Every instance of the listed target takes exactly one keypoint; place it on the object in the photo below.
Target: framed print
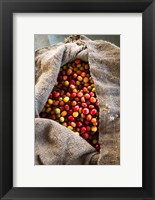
(77, 99)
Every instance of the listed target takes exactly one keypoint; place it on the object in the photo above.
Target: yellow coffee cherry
(70, 127)
(64, 67)
(78, 66)
(94, 128)
(66, 83)
(48, 110)
(77, 133)
(93, 89)
(77, 82)
(94, 141)
(75, 114)
(50, 101)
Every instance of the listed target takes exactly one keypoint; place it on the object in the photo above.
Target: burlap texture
(54, 143)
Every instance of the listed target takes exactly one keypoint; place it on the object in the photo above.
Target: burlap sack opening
(57, 145)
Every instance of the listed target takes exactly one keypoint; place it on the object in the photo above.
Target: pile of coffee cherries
(73, 102)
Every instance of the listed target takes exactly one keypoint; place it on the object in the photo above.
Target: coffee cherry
(48, 110)
(94, 141)
(68, 94)
(92, 99)
(77, 83)
(89, 117)
(83, 129)
(79, 94)
(69, 72)
(85, 80)
(83, 74)
(85, 136)
(87, 96)
(50, 96)
(71, 118)
(73, 124)
(82, 116)
(64, 77)
(88, 128)
(79, 124)
(85, 111)
(93, 111)
(83, 99)
(74, 76)
(64, 113)
(67, 107)
(72, 82)
(70, 112)
(75, 114)
(66, 99)
(66, 83)
(76, 108)
(62, 119)
(91, 106)
(62, 103)
(50, 101)
(94, 128)
(79, 78)
(57, 111)
(72, 86)
(78, 61)
(64, 124)
(91, 94)
(93, 120)
(70, 127)
(97, 147)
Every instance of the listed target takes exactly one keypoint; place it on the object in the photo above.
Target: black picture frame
(7, 8)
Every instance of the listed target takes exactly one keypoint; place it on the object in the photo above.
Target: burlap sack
(56, 144)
